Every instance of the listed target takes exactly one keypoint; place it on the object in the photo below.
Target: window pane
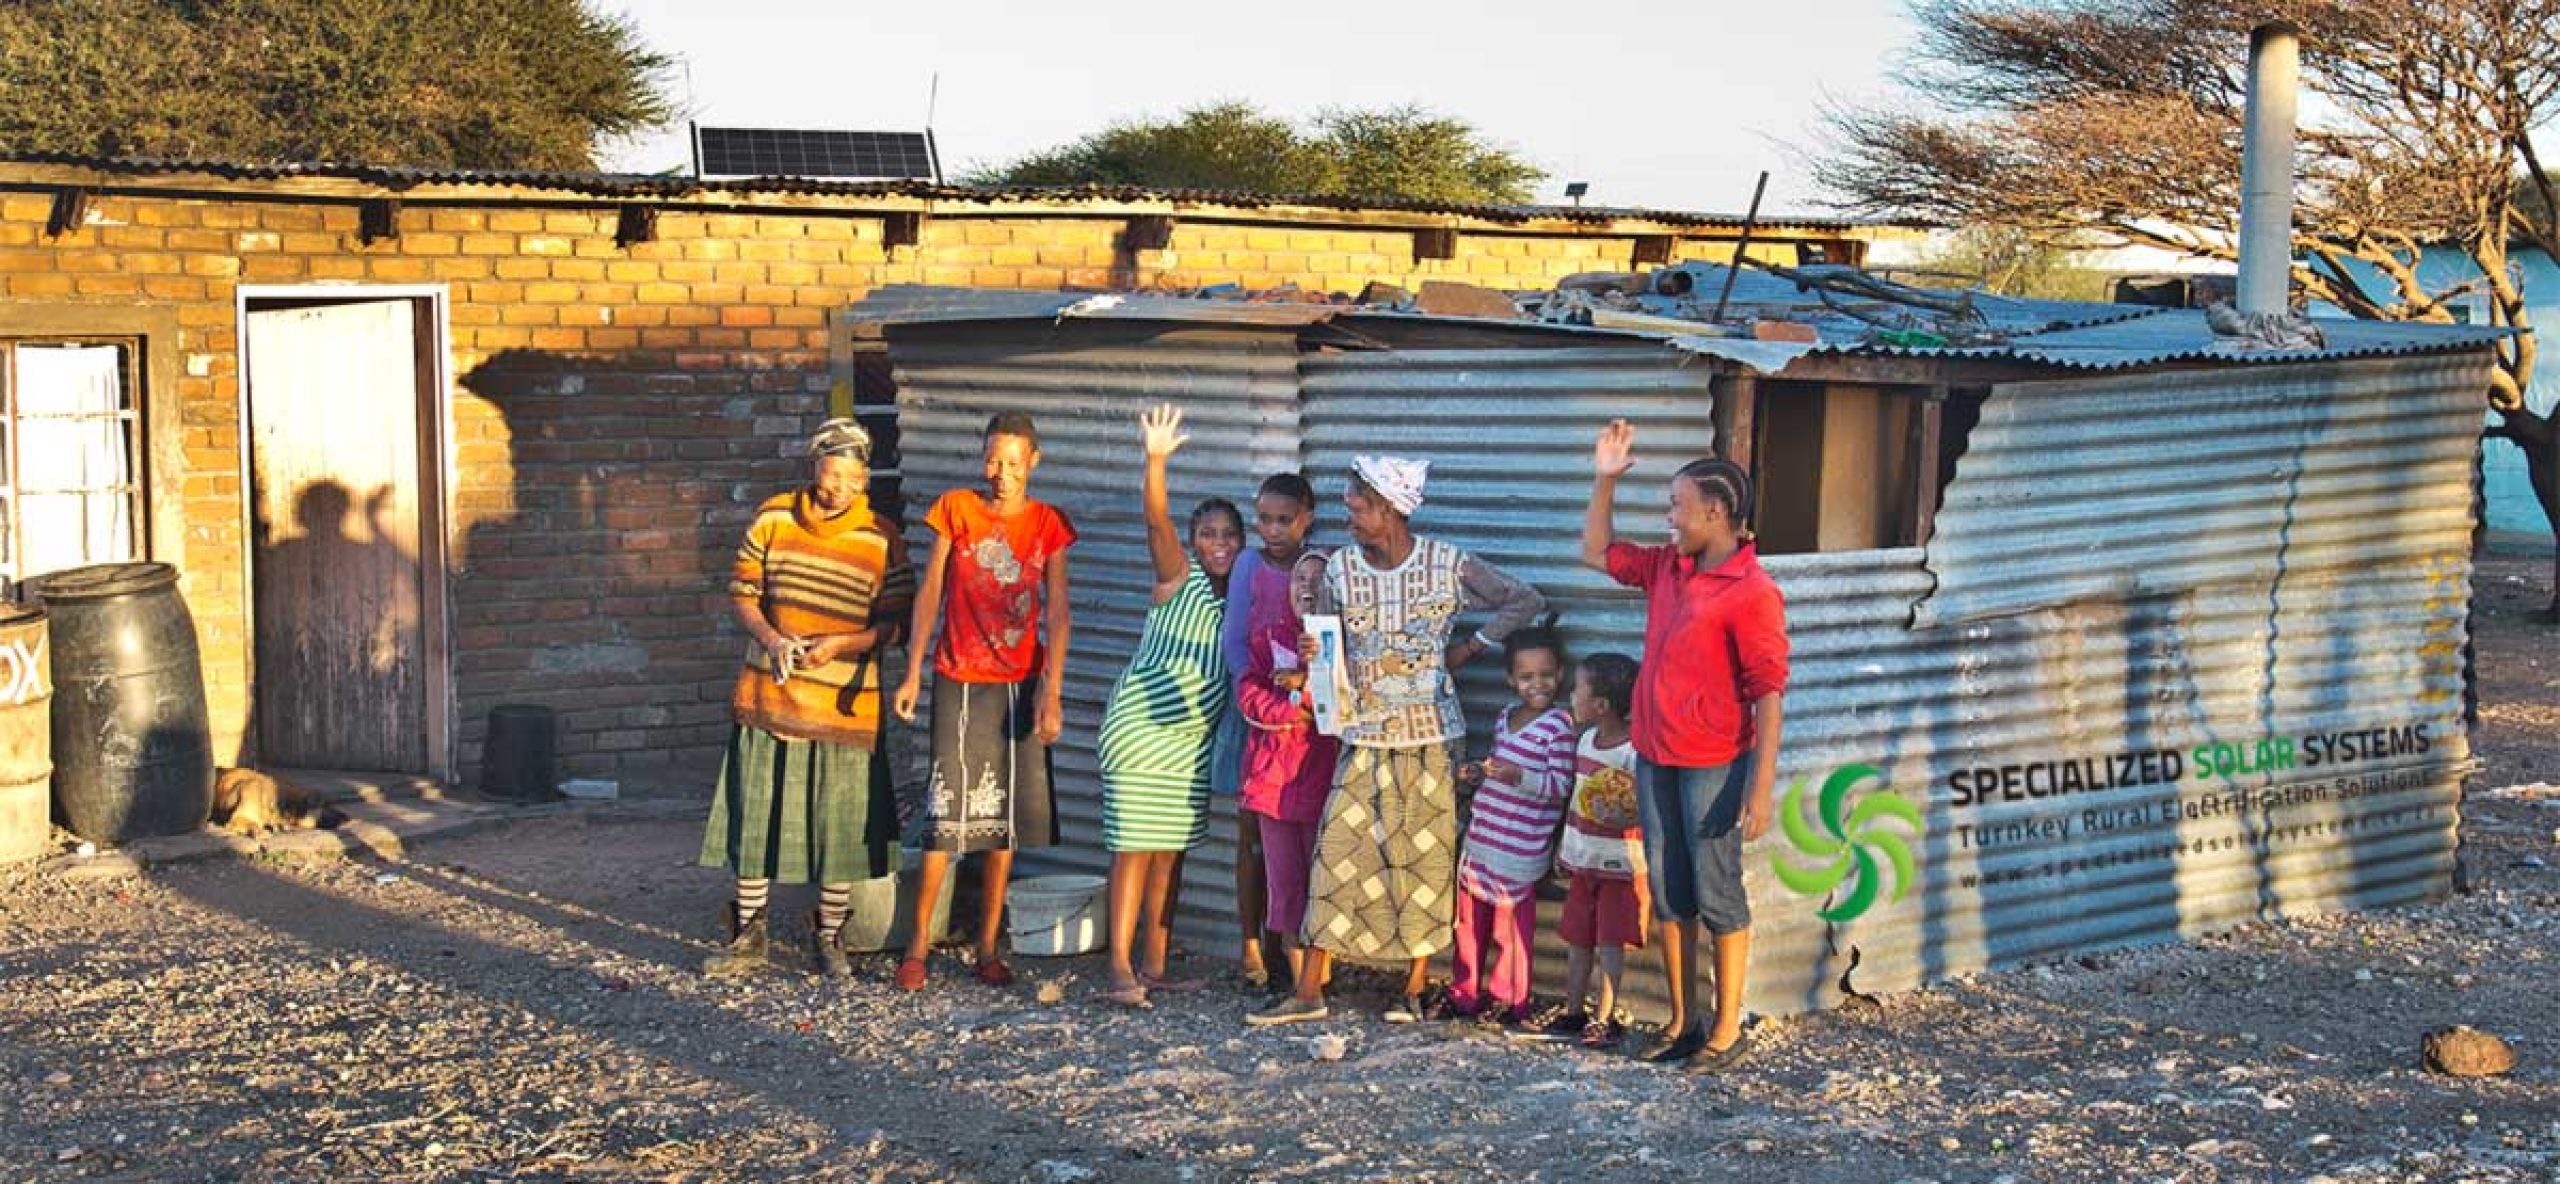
(74, 447)
(70, 379)
(56, 533)
(110, 528)
(69, 455)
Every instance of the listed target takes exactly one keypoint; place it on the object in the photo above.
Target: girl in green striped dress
(1159, 730)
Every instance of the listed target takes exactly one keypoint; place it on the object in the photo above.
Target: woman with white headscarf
(1384, 885)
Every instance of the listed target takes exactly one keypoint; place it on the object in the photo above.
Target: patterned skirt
(991, 785)
(1384, 885)
(800, 811)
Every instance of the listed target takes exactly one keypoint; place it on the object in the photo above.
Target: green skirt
(800, 812)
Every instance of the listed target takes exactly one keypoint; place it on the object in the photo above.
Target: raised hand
(1615, 452)
(1162, 429)
(1616, 449)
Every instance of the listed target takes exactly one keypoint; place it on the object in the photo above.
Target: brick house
(423, 443)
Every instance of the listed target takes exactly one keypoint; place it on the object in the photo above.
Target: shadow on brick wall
(603, 498)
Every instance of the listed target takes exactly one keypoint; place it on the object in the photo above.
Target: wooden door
(334, 390)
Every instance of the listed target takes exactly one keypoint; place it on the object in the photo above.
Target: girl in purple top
(1257, 593)
(1520, 794)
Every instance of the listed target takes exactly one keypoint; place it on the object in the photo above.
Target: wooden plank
(333, 404)
(434, 561)
(1926, 423)
(1737, 414)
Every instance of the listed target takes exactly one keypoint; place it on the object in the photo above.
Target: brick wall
(618, 410)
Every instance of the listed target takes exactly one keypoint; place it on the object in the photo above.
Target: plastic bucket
(520, 761)
(884, 909)
(1055, 916)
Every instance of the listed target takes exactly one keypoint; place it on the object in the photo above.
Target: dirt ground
(523, 1004)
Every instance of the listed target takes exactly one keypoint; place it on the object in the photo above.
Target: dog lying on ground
(248, 802)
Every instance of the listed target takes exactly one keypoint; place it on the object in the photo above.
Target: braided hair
(1724, 482)
(1211, 507)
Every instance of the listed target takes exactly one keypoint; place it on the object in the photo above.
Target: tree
(480, 84)
(2011, 262)
(2121, 118)
(1230, 145)
(1401, 152)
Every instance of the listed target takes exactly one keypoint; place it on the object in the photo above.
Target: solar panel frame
(802, 152)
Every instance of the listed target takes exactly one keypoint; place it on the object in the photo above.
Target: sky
(1663, 105)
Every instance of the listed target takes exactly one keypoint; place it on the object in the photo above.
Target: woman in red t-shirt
(1706, 721)
(997, 586)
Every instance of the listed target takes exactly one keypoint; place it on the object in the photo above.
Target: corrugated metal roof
(641, 185)
(2064, 334)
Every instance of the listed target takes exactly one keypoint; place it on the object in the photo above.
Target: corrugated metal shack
(2106, 631)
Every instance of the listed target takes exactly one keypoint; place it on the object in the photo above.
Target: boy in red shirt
(1000, 565)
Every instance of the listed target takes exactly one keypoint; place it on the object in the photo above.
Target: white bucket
(884, 909)
(1055, 916)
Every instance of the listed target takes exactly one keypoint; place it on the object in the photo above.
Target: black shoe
(1672, 1050)
(829, 947)
(1712, 1061)
(744, 952)
(1555, 1029)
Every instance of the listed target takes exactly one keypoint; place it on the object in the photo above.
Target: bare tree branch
(2119, 121)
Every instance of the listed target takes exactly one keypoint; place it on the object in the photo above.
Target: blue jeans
(1693, 842)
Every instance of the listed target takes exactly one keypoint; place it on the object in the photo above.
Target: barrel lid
(19, 614)
(103, 581)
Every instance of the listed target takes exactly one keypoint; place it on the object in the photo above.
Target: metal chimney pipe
(2266, 169)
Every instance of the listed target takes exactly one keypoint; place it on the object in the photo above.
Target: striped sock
(752, 896)
(835, 901)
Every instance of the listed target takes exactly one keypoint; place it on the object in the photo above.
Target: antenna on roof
(1742, 249)
(932, 97)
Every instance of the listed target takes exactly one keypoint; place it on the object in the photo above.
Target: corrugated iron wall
(1508, 433)
(2242, 563)
(1085, 383)
(2246, 563)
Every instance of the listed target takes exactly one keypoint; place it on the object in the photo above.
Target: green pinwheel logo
(1843, 844)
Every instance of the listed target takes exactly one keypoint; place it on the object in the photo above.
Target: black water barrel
(521, 762)
(132, 756)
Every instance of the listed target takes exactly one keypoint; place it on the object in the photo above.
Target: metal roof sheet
(2064, 334)
(643, 185)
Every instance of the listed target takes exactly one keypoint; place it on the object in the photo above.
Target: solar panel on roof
(784, 152)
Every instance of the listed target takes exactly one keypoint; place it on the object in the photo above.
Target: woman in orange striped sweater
(820, 586)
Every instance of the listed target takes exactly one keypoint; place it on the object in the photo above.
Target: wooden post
(1737, 415)
(1926, 422)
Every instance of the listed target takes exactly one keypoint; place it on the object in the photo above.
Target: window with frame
(1847, 466)
(70, 453)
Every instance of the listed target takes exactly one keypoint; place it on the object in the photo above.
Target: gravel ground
(523, 1004)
